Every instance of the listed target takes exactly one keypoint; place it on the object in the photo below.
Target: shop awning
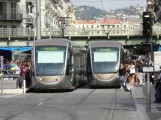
(14, 49)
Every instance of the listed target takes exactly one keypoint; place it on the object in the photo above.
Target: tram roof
(105, 43)
(53, 41)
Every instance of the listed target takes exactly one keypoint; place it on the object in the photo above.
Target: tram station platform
(139, 97)
(10, 87)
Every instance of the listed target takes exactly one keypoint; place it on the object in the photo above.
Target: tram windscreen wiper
(41, 66)
(98, 65)
(105, 67)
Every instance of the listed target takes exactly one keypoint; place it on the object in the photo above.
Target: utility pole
(149, 46)
(38, 19)
(147, 33)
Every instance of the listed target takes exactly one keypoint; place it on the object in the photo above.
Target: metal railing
(15, 32)
(29, 32)
(11, 16)
(15, 77)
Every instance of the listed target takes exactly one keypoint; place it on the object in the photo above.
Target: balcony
(11, 17)
(48, 32)
(15, 32)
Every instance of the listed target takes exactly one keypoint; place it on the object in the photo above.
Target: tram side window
(88, 63)
(69, 62)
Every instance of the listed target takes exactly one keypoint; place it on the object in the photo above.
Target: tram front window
(105, 60)
(50, 60)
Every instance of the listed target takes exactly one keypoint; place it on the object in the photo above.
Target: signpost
(157, 61)
(1, 62)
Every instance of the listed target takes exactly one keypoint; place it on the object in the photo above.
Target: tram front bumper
(105, 81)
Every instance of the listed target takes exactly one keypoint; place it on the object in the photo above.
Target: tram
(104, 58)
(54, 64)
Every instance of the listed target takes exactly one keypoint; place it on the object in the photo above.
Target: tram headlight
(41, 79)
(116, 67)
(58, 79)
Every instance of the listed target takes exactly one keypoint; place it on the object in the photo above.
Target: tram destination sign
(105, 49)
(50, 48)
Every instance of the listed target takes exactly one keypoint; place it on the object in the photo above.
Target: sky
(110, 4)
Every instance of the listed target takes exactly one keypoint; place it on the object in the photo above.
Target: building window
(1, 8)
(124, 25)
(13, 10)
(13, 30)
(3, 11)
(31, 9)
(3, 30)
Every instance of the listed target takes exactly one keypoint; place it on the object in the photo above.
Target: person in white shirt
(17, 68)
(18, 71)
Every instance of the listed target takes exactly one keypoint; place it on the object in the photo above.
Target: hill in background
(89, 12)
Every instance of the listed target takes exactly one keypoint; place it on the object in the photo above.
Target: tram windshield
(50, 60)
(105, 59)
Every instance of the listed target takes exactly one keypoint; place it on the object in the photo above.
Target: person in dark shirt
(23, 73)
(140, 66)
(122, 75)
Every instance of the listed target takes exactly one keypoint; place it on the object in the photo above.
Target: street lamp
(109, 31)
(63, 23)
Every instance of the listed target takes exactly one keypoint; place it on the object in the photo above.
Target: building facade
(10, 16)
(18, 17)
(112, 27)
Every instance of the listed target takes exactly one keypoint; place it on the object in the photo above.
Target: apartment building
(10, 15)
(103, 27)
(18, 17)
(54, 9)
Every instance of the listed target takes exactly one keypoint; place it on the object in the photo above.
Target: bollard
(24, 86)
(1, 84)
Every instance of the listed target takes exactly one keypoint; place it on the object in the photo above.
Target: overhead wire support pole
(38, 19)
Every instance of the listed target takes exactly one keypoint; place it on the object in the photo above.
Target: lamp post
(109, 31)
(62, 23)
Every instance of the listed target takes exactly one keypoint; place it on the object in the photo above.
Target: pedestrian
(122, 75)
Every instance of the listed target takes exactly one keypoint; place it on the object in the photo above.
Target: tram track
(18, 100)
(110, 115)
(20, 113)
(54, 97)
(75, 106)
